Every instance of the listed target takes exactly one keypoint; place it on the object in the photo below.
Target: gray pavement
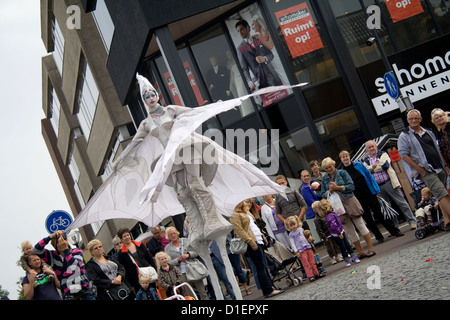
(419, 271)
(406, 269)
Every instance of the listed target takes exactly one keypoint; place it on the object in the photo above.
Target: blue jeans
(257, 258)
(222, 275)
(237, 269)
(344, 245)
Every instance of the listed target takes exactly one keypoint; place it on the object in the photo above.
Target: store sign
(299, 30)
(422, 72)
(403, 9)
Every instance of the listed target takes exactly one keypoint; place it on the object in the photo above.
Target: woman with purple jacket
(324, 209)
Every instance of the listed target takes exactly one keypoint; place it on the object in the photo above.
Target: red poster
(193, 83)
(394, 155)
(173, 90)
(402, 9)
(299, 30)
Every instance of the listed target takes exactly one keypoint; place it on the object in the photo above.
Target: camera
(370, 41)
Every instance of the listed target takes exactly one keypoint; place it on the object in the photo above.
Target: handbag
(149, 271)
(386, 209)
(238, 246)
(118, 292)
(195, 270)
(336, 202)
(353, 207)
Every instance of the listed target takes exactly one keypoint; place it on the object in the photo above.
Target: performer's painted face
(150, 98)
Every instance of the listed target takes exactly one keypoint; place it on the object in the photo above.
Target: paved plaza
(420, 271)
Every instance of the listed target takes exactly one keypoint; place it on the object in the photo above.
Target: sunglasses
(149, 95)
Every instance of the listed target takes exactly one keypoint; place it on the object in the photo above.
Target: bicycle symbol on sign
(59, 222)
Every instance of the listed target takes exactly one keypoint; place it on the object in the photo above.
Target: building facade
(197, 52)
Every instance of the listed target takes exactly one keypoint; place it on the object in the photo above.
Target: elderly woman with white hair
(178, 252)
(340, 181)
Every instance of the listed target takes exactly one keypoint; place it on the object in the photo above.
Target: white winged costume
(143, 185)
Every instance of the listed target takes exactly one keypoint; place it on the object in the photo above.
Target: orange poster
(299, 30)
(403, 9)
(173, 90)
(193, 83)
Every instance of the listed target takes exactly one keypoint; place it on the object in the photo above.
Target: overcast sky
(29, 187)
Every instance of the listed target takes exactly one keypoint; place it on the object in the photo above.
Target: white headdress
(144, 86)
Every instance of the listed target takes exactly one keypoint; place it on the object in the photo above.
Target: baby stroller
(284, 263)
(427, 229)
(183, 291)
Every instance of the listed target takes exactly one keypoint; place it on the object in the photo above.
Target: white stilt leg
(221, 243)
(203, 252)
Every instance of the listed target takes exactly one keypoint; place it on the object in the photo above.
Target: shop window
(300, 34)
(352, 24)
(442, 11)
(340, 132)
(257, 55)
(409, 26)
(170, 85)
(298, 149)
(284, 116)
(220, 72)
(327, 98)
(412, 28)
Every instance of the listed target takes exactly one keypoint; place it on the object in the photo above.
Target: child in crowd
(27, 249)
(147, 290)
(168, 276)
(302, 248)
(324, 209)
(332, 247)
(427, 204)
(309, 237)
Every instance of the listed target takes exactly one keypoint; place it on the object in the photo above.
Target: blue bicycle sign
(391, 85)
(58, 220)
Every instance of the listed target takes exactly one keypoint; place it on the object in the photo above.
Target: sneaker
(322, 270)
(312, 279)
(347, 262)
(339, 258)
(333, 261)
(356, 260)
